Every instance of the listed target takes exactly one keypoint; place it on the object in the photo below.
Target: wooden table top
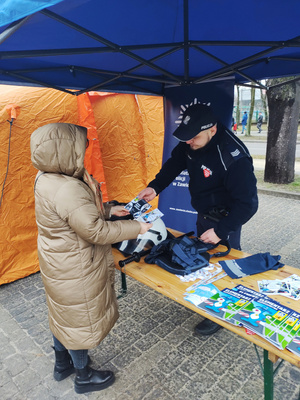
(171, 286)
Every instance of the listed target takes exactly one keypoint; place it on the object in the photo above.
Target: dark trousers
(79, 357)
(203, 224)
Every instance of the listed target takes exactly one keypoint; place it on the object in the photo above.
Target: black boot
(63, 365)
(90, 380)
(207, 327)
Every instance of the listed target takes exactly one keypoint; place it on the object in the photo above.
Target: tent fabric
(12, 10)
(142, 46)
(93, 160)
(123, 123)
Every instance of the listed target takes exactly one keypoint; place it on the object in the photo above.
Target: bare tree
(284, 107)
(248, 131)
(238, 113)
(263, 96)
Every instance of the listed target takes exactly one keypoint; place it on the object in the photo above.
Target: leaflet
(288, 287)
(137, 207)
(288, 329)
(203, 274)
(294, 345)
(225, 304)
(151, 216)
(267, 318)
(201, 293)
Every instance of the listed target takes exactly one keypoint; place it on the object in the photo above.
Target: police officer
(222, 181)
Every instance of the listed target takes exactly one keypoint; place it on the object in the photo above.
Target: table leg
(123, 289)
(268, 377)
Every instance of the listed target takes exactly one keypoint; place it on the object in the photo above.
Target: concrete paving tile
(124, 359)
(229, 386)
(27, 380)
(178, 335)
(9, 391)
(139, 389)
(147, 341)
(254, 386)
(284, 390)
(158, 394)
(124, 396)
(191, 366)
(202, 382)
(170, 362)
(7, 351)
(40, 392)
(165, 328)
(16, 364)
(5, 377)
(289, 373)
(174, 382)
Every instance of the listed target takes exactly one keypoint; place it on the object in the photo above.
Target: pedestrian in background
(244, 121)
(259, 122)
(235, 128)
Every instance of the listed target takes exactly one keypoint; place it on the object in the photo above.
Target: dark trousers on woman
(79, 357)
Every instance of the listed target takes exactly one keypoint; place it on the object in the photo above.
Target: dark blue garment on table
(251, 265)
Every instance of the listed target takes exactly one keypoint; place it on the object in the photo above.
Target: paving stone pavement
(152, 348)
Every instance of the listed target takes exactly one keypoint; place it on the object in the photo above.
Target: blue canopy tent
(141, 46)
(171, 48)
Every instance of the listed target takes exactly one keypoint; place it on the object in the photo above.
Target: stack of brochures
(255, 311)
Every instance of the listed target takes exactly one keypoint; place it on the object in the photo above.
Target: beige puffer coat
(74, 239)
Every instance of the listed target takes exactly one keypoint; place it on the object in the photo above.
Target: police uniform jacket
(221, 175)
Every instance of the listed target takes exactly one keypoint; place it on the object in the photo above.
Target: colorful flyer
(265, 317)
(225, 304)
(151, 216)
(201, 293)
(137, 207)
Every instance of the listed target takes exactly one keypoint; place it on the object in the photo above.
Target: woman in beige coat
(74, 248)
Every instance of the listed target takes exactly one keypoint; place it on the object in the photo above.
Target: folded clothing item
(251, 265)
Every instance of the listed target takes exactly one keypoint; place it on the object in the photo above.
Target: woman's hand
(119, 211)
(145, 226)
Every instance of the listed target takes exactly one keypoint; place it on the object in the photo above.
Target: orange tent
(125, 152)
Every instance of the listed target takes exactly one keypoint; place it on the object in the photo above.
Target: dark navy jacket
(221, 175)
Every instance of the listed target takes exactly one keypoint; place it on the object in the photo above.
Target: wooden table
(171, 286)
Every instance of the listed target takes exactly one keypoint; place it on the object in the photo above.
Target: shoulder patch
(235, 153)
(230, 154)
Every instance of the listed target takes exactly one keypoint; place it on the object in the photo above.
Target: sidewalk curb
(278, 193)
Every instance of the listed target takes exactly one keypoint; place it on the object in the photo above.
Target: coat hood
(59, 148)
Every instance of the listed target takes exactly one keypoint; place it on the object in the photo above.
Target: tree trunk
(264, 103)
(284, 103)
(248, 132)
(238, 119)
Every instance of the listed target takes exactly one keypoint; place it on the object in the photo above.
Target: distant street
(259, 148)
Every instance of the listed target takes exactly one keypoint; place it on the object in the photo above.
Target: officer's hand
(119, 211)
(210, 236)
(145, 226)
(147, 194)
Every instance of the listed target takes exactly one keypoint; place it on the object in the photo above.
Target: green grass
(293, 187)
